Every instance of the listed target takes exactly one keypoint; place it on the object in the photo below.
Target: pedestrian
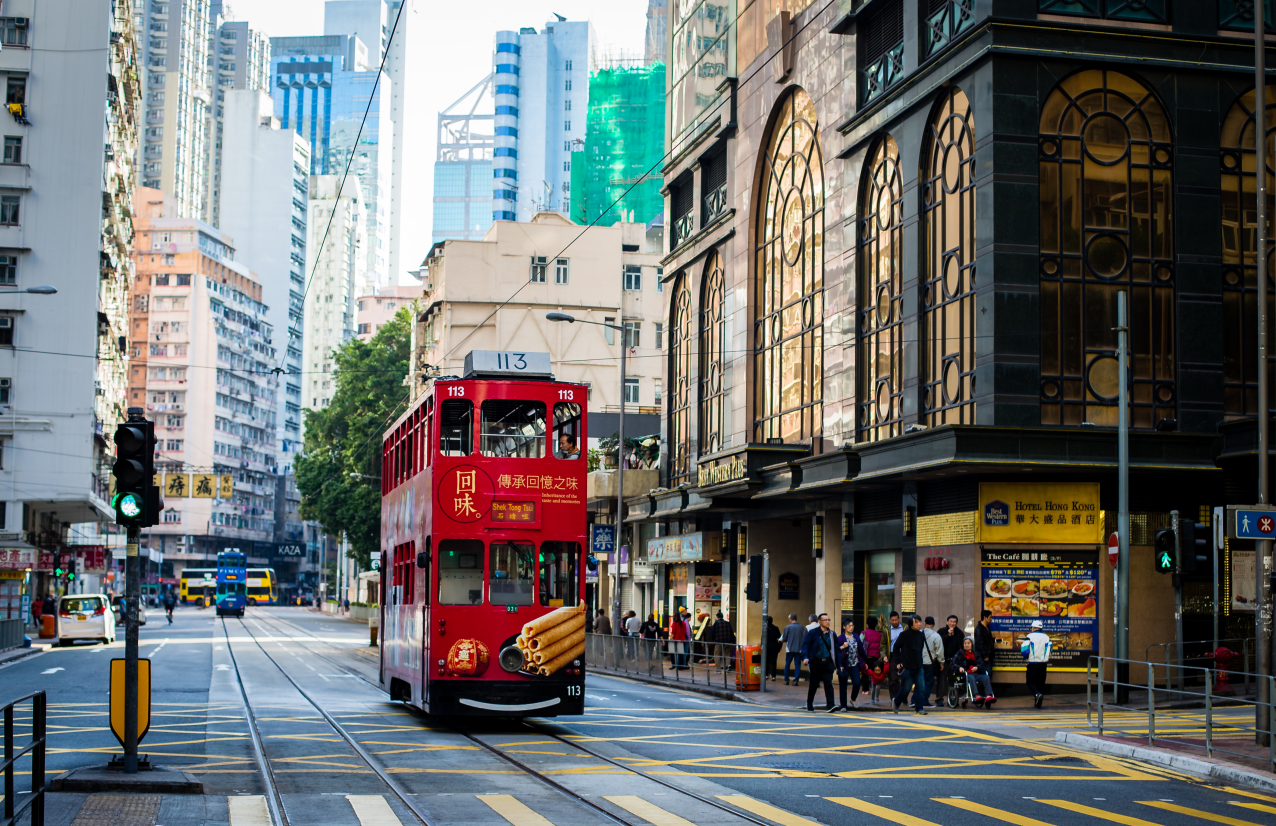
(49, 605)
(934, 659)
(983, 639)
(650, 633)
(896, 628)
(850, 658)
(602, 623)
(678, 634)
(633, 627)
(952, 637)
(589, 622)
(872, 653)
(876, 677)
(701, 635)
(1036, 650)
(817, 655)
(907, 656)
(813, 622)
(793, 636)
(346, 604)
(969, 661)
(773, 646)
(723, 637)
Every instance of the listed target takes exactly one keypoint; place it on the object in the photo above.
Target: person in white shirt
(814, 623)
(1036, 650)
(932, 657)
(633, 625)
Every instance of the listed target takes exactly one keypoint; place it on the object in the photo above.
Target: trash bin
(48, 626)
(748, 672)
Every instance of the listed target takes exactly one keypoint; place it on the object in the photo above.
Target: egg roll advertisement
(1059, 588)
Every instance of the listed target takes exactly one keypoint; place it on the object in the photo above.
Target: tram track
(539, 730)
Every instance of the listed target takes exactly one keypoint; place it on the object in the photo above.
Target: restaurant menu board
(1060, 588)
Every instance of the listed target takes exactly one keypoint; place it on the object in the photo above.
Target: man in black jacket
(908, 654)
(773, 646)
(817, 654)
(951, 636)
(983, 638)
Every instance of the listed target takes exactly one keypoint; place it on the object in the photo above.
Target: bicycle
(168, 612)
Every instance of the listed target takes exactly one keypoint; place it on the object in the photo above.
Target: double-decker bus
(232, 583)
(483, 537)
(196, 583)
(262, 586)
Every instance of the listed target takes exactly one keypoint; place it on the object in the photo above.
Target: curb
(1198, 767)
(708, 691)
(160, 780)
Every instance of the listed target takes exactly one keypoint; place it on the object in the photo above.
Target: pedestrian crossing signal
(1165, 547)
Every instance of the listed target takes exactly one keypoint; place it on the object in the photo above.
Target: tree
(339, 472)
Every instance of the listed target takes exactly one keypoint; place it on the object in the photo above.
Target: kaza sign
(290, 549)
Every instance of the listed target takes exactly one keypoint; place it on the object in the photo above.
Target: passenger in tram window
(567, 448)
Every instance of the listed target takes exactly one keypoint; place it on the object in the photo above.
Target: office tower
(463, 167)
(336, 271)
(264, 204)
(657, 32)
(321, 90)
(542, 82)
(238, 58)
(173, 46)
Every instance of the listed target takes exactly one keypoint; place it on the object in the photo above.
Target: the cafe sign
(733, 470)
(1040, 513)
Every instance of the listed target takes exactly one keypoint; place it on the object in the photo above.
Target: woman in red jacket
(969, 661)
(679, 634)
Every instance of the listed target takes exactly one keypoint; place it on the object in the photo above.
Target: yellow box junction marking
(513, 810)
(766, 810)
(373, 810)
(997, 814)
(1203, 815)
(1258, 807)
(881, 811)
(1110, 817)
(647, 811)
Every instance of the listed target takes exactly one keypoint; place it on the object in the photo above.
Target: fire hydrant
(1222, 657)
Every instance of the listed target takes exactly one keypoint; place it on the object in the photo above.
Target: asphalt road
(786, 767)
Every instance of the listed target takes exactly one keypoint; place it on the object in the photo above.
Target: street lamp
(32, 290)
(620, 447)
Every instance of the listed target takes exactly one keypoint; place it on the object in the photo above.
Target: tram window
(456, 427)
(510, 574)
(567, 430)
(460, 571)
(513, 429)
(560, 574)
(224, 588)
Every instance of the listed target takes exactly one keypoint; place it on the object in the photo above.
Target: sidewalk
(1248, 766)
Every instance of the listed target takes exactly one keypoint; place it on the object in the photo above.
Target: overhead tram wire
(660, 161)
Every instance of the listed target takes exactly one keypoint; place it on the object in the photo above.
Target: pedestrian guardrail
(1202, 653)
(691, 661)
(10, 633)
(1196, 686)
(36, 750)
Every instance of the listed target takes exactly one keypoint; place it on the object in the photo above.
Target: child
(876, 677)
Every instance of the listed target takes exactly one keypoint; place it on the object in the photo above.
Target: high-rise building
(238, 58)
(203, 370)
(173, 45)
(542, 84)
(657, 32)
(321, 90)
(462, 207)
(264, 203)
(372, 312)
(66, 221)
(336, 272)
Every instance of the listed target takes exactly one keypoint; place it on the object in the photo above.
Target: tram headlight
(511, 658)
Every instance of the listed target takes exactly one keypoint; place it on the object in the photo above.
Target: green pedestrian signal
(1164, 561)
(1165, 546)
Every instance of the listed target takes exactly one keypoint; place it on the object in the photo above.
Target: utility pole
(620, 472)
(1263, 614)
(132, 593)
(1178, 595)
(1122, 572)
(766, 609)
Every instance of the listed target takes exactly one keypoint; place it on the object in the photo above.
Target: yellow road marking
(1203, 815)
(649, 812)
(1110, 817)
(1258, 807)
(765, 810)
(248, 810)
(996, 814)
(880, 811)
(373, 810)
(513, 810)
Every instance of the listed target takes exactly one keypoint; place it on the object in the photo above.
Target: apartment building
(336, 267)
(373, 311)
(238, 59)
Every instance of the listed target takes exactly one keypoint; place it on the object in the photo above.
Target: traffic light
(1164, 551)
(753, 588)
(70, 573)
(136, 499)
(1195, 545)
(59, 572)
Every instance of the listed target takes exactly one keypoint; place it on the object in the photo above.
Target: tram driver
(567, 448)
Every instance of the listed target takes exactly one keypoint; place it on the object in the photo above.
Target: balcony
(715, 203)
(683, 227)
(883, 73)
(944, 25)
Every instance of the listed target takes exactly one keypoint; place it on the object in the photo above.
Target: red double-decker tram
(483, 543)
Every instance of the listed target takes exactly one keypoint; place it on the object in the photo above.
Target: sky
(450, 50)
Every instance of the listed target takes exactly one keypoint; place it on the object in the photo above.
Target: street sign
(1114, 549)
(143, 698)
(1252, 522)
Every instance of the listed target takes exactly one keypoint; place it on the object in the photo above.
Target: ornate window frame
(680, 346)
(714, 396)
(880, 317)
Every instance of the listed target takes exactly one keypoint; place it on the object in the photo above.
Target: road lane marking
(1203, 815)
(248, 810)
(880, 811)
(996, 814)
(513, 810)
(766, 810)
(1258, 807)
(53, 670)
(649, 812)
(1110, 817)
(373, 810)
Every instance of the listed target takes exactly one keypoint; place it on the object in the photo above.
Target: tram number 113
(573, 691)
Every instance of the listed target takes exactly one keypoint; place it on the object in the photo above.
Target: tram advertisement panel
(1059, 588)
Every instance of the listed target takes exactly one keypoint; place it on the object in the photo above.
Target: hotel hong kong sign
(1042, 513)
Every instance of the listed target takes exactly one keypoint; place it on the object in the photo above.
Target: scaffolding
(624, 146)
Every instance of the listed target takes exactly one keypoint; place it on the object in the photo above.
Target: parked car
(85, 617)
(117, 604)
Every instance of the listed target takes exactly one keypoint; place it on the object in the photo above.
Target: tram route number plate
(511, 609)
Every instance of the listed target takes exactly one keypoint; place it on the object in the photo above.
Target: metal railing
(702, 663)
(1202, 651)
(36, 749)
(10, 633)
(1101, 682)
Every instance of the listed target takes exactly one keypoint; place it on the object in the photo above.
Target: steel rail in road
(337, 727)
(539, 729)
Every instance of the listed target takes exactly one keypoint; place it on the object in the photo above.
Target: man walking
(895, 630)
(933, 659)
(773, 646)
(723, 635)
(907, 653)
(983, 639)
(817, 654)
(602, 625)
(952, 637)
(792, 638)
(1036, 649)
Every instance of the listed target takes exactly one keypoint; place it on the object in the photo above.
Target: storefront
(692, 572)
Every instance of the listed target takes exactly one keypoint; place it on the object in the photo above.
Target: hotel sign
(1041, 513)
(734, 470)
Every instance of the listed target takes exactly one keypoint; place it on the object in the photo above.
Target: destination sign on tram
(513, 511)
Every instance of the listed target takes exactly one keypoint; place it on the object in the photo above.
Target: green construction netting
(624, 140)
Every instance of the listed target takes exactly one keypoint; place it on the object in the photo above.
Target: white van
(85, 617)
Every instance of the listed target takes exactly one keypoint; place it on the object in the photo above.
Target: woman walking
(850, 656)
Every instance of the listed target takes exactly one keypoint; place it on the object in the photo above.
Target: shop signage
(92, 557)
(622, 561)
(788, 586)
(641, 571)
(688, 548)
(1059, 588)
(290, 549)
(733, 470)
(1241, 583)
(1040, 513)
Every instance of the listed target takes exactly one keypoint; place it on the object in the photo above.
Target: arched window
(680, 345)
(713, 347)
(789, 286)
(881, 301)
(1240, 241)
(1106, 206)
(948, 294)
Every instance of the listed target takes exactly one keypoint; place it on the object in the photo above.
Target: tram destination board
(524, 512)
(507, 364)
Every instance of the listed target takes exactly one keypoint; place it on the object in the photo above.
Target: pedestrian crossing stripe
(1110, 817)
(881, 811)
(649, 812)
(513, 810)
(766, 810)
(996, 814)
(1259, 807)
(1183, 810)
(248, 810)
(373, 810)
